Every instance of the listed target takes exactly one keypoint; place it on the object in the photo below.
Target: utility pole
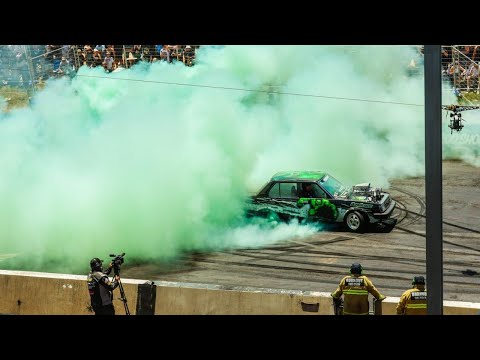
(433, 178)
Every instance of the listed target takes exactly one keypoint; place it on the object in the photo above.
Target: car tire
(355, 221)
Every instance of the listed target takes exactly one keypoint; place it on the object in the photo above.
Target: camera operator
(101, 288)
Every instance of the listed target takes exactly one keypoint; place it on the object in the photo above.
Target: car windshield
(332, 185)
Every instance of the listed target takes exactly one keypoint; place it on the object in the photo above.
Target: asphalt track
(390, 260)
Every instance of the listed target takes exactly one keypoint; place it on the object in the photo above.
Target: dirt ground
(390, 260)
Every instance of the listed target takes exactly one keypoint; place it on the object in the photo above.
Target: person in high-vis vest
(355, 289)
(414, 301)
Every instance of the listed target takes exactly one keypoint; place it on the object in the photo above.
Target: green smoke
(97, 166)
(464, 145)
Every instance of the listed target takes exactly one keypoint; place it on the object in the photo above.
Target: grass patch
(468, 97)
(15, 97)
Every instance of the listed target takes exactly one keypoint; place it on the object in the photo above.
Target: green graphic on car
(319, 208)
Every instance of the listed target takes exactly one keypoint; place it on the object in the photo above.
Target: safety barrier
(35, 293)
(23, 293)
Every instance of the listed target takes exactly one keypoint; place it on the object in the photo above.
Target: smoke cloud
(103, 165)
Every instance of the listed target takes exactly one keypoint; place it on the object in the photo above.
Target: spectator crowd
(19, 64)
(60, 60)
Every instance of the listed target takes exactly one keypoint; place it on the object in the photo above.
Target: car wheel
(355, 221)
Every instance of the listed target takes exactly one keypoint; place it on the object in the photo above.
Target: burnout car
(318, 196)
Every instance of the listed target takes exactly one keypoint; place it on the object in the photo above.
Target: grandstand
(27, 67)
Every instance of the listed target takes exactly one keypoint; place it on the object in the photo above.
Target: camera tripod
(123, 297)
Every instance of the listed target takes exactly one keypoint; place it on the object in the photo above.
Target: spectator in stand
(56, 63)
(49, 53)
(188, 55)
(472, 75)
(64, 67)
(117, 66)
(65, 50)
(82, 60)
(137, 51)
(476, 54)
(446, 57)
(88, 55)
(149, 52)
(108, 62)
(100, 48)
(111, 49)
(467, 51)
(131, 60)
(165, 53)
(97, 58)
(172, 50)
(455, 71)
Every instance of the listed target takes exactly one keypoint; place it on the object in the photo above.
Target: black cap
(95, 262)
(356, 268)
(418, 280)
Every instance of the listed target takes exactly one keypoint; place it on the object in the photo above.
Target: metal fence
(27, 67)
(460, 68)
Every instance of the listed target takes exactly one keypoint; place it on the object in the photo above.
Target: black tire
(355, 221)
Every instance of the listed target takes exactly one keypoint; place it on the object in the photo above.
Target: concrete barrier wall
(389, 307)
(187, 298)
(34, 293)
(201, 299)
(25, 293)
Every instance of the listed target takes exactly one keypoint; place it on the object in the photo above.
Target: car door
(321, 207)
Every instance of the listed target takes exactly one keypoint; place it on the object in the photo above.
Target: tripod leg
(123, 298)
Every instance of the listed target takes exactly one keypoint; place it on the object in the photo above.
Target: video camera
(117, 261)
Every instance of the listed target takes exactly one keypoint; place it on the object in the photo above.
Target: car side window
(274, 191)
(288, 190)
(318, 191)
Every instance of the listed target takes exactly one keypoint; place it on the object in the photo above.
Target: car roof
(298, 176)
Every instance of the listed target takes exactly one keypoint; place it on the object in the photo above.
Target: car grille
(387, 202)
